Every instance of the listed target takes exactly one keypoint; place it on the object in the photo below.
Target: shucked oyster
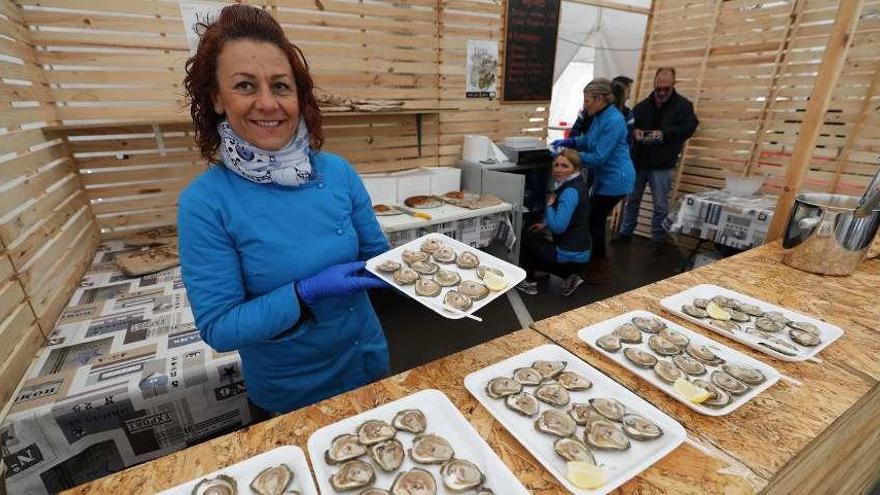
(639, 428)
(689, 365)
(667, 371)
(467, 259)
(474, 290)
(412, 256)
(427, 287)
(572, 449)
(745, 374)
(424, 267)
(344, 448)
(411, 420)
(662, 346)
(628, 333)
(556, 422)
(375, 431)
(691, 310)
(609, 342)
(573, 382)
(549, 369)
(729, 383)
(353, 474)
(416, 481)
(273, 480)
(648, 324)
(765, 324)
(405, 276)
(428, 448)
(677, 338)
(502, 386)
(605, 435)
(447, 278)
(553, 394)
(375, 491)
(610, 408)
(388, 266)
(804, 338)
(431, 245)
(523, 403)
(481, 271)
(457, 300)
(718, 397)
(388, 455)
(459, 475)
(527, 376)
(584, 414)
(704, 354)
(640, 358)
(219, 485)
(445, 255)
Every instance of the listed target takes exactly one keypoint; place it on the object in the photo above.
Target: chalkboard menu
(530, 50)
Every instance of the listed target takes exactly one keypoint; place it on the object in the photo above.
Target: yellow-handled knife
(413, 213)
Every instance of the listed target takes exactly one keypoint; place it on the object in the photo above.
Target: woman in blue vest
(567, 252)
(274, 234)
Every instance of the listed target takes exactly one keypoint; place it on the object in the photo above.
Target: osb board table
(822, 436)
(685, 470)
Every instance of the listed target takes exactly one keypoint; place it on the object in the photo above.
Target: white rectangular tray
(593, 332)
(829, 334)
(444, 419)
(245, 471)
(512, 273)
(618, 467)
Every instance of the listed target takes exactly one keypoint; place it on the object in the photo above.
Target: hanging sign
(530, 50)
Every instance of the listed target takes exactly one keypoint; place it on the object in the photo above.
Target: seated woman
(567, 252)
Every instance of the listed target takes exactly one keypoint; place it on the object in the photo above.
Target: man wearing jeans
(663, 122)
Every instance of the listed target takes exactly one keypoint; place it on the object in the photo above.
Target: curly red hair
(242, 22)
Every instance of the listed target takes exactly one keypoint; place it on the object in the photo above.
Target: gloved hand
(563, 143)
(337, 281)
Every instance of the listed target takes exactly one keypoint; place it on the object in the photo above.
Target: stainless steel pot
(825, 236)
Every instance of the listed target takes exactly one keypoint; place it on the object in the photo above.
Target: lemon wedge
(717, 312)
(493, 281)
(690, 391)
(585, 475)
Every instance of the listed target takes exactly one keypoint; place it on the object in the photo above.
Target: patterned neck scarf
(288, 166)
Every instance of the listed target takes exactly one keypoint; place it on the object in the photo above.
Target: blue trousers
(661, 185)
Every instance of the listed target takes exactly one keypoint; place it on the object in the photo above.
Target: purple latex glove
(563, 143)
(337, 281)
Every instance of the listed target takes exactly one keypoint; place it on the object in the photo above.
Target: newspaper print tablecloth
(737, 221)
(124, 378)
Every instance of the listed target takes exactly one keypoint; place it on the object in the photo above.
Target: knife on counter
(411, 212)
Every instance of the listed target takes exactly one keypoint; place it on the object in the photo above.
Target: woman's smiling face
(257, 93)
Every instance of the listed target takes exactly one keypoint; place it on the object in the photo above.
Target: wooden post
(826, 80)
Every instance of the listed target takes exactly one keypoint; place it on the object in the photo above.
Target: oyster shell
(628, 333)
(648, 324)
(689, 365)
(728, 326)
(609, 342)
(427, 287)
(481, 271)
(467, 259)
(745, 374)
(405, 276)
(411, 420)
(353, 474)
(777, 316)
(527, 376)
(556, 422)
(639, 428)
(584, 414)
(554, 394)
(804, 338)
(765, 324)
(502, 386)
(474, 290)
(424, 267)
(219, 485)
(375, 491)
(457, 300)
(723, 301)
(605, 435)
(751, 310)
(549, 369)
(388, 266)
(573, 382)
(701, 303)
(447, 278)
(676, 337)
(375, 431)
(459, 475)
(272, 480)
(343, 448)
(523, 403)
(719, 397)
(662, 346)
(639, 358)
(388, 455)
(428, 448)
(692, 310)
(610, 408)
(805, 327)
(667, 371)
(411, 257)
(572, 449)
(703, 354)
(431, 245)
(445, 255)
(729, 383)
(416, 481)
(739, 316)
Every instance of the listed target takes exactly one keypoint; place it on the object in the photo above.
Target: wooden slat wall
(749, 69)
(47, 230)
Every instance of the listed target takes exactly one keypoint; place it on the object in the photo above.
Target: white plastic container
(412, 183)
(381, 188)
(443, 180)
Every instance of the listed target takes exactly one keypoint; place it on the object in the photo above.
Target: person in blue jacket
(273, 236)
(603, 149)
(567, 251)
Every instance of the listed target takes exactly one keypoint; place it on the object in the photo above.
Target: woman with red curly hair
(273, 236)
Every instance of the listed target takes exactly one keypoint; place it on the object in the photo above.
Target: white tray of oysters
(568, 414)
(771, 329)
(440, 272)
(420, 444)
(281, 471)
(663, 353)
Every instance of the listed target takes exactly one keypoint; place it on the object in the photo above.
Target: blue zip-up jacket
(242, 247)
(558, 219)
(604, 149)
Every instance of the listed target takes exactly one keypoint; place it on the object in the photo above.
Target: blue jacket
(567, 218)
(242, 247)
(604, 149)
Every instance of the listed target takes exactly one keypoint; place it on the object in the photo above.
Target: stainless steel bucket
(823, 236)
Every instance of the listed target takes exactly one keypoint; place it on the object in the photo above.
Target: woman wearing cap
(273, 236)
(604, 150)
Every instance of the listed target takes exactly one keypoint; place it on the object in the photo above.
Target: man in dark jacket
(663, 122)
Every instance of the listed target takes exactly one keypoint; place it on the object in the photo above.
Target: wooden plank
(14, 327)
(40, 210)
(11, 370)
(50, 298)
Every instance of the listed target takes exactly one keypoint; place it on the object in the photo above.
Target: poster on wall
(193, 13)
(482, 64)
